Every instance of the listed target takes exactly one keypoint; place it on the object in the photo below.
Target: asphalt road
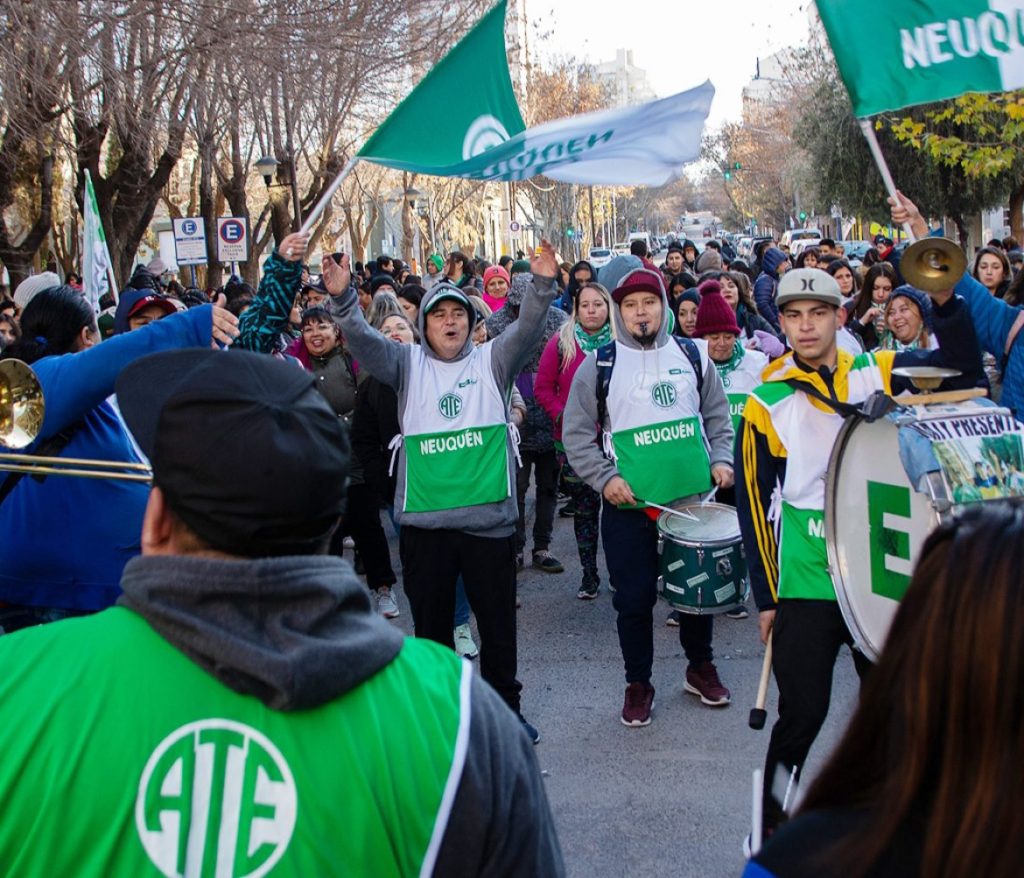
(671, 799)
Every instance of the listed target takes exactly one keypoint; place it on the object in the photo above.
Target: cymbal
(933, 264)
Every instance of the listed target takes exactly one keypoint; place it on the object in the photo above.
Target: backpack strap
(687, 346)
(605, 364)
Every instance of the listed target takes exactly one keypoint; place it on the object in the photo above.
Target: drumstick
(757, 713)
(678, 512)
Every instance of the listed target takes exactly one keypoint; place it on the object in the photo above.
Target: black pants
(630, 541)
(805, 642)
(362, 523)
(544, 465)
(431, 563)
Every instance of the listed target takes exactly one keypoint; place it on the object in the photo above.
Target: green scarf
(730, 365)
(588, 342)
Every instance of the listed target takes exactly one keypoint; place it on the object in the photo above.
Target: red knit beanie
(496, 271)
(714, 314)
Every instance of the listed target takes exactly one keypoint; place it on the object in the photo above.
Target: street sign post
(232, 240)
(190, 242)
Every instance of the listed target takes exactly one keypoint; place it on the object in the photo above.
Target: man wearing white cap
(789, 426)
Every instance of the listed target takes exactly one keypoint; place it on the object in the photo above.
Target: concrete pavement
(671, 799)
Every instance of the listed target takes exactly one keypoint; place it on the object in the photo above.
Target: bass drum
(875, 525)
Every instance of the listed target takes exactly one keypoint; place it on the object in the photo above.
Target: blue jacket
(66, 539)
(766, 284)
(993, 319)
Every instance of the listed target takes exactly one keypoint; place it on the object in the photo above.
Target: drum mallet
(758, 714)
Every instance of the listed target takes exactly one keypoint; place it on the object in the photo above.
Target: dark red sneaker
(702, 680)
(636, 709)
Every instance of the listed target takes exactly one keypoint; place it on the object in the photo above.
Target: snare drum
(701, 564)
(876, 522)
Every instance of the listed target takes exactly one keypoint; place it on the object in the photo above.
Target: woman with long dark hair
(66, 540)
(992, 270)
(927, 778)
(868, 317)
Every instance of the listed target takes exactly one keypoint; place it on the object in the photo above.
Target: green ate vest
(122, 757)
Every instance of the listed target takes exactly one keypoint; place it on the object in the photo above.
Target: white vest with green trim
(657, 433)
(740, 381)
(454, 427)
(808, 434)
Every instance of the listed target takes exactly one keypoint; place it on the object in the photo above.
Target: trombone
(21, 418)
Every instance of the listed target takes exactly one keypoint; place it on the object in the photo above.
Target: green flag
(464, 105)
(897, 53)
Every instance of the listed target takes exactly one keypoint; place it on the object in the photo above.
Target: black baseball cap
(246, 450)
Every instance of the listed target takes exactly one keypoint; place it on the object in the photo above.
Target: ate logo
(663, 394)
(450, 405)
(216, 798)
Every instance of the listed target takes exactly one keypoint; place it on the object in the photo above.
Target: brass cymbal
(933, 264)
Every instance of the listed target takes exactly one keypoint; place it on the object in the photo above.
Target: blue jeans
(631, 549)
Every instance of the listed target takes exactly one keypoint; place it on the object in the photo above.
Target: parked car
(791, 236)
(622, 248)
(855, 251)
(600, 256)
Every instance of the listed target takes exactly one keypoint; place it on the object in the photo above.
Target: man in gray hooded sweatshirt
(454, 498)
(653, 385)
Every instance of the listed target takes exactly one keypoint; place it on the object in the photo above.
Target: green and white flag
(97, 269)
(462, 120)
(897, 53)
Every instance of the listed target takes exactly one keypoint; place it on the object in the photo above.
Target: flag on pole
(924, 50)
(97, 269)
(483, 136)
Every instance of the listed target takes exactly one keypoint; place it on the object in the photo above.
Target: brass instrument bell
(21, 404)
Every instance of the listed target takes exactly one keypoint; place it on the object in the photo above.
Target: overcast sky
(680, 43)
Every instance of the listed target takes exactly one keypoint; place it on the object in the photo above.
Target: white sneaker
(387, 606)
(465, 646)
(348, 543)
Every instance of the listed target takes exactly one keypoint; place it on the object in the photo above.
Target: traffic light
(803, 215)
(570, 232)
(737, 166)
(727, 175)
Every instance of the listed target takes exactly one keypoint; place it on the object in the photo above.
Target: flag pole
(314, 214)
(868, 130)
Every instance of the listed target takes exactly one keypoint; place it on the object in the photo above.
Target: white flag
(645, 145)
(96, 264)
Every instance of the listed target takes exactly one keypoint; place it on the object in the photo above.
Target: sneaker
(519, 561)
(531, 732)
(387, 606)
(702, 680)
(465, 646)
(673, 619)
(348, 543)
(547, 562)
(567, 511)
(739, 612)
(637, 707)
(588, 591)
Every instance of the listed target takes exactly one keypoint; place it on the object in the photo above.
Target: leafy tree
(979, 135)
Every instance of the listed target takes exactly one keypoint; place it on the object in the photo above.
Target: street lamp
(266, 167)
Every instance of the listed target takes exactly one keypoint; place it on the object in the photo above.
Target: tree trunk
(1017, 212)
(208, 211)
(18, 257)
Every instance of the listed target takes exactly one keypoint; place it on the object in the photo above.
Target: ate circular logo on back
(663, 394)
(450, 405)
(216, 798)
